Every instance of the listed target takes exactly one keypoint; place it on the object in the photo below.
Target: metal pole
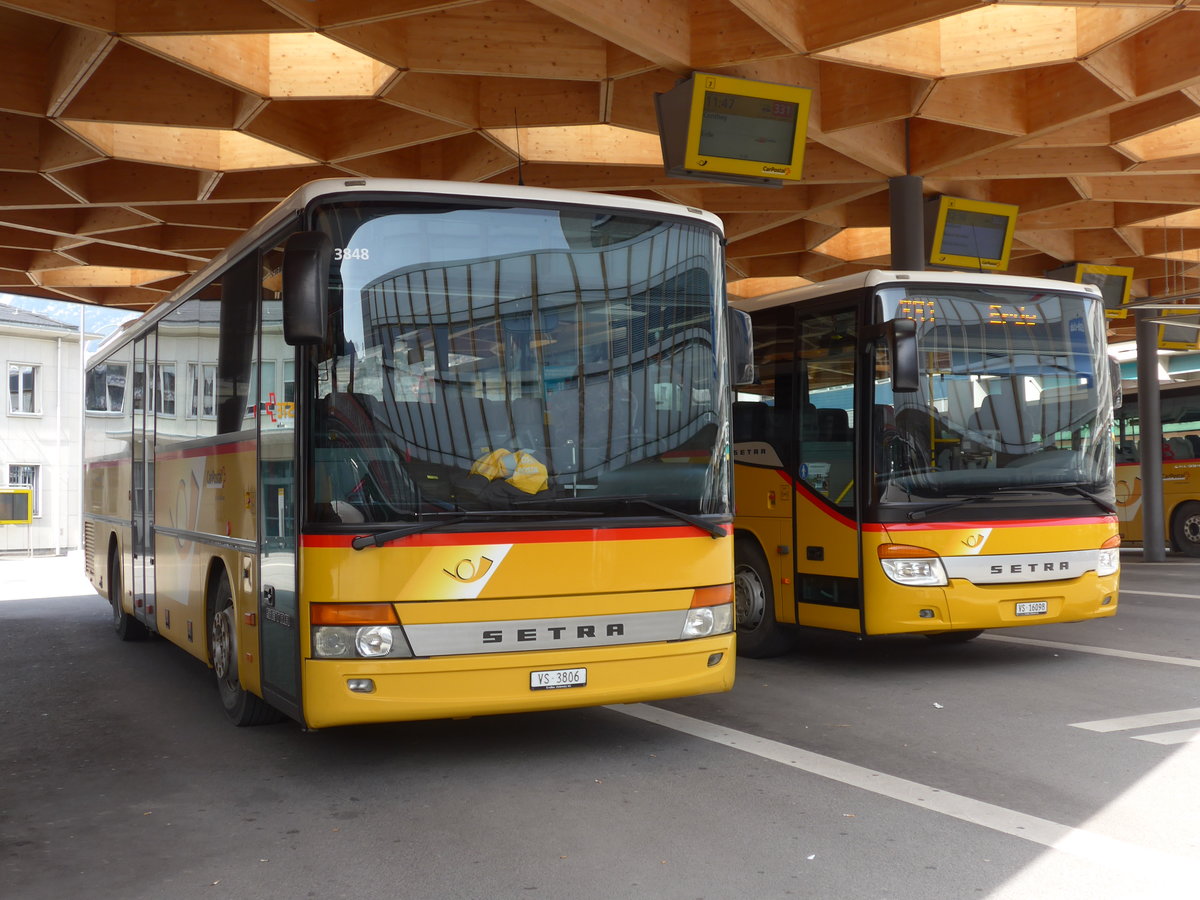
(1150, 437)
(907, 207)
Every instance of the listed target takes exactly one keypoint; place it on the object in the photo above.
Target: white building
(40, 443)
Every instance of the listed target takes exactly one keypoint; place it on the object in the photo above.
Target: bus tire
(759, 635)
(242, 707)
(126, 626)
(1185, 528)
(955, 637)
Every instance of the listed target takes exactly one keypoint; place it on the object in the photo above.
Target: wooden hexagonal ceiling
(137, 137)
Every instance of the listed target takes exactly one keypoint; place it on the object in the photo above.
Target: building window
(22, 388)
(203, 380)
(164, 389)
(106, 388)
(27, 477)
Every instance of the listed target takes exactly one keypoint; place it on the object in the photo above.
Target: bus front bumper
(491, 684)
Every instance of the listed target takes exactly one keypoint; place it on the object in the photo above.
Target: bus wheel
(955, 637)
(1185, 528)
(242, 707)
(758, 634)
(126, 626)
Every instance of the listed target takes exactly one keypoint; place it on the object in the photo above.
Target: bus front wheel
(1185, 528)
(126, 626)
(242, 707)
(758, 633)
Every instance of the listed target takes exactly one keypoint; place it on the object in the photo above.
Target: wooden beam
(1078, 215)
(505, 102)
(451, 98)
(993, 102)
(507, 37)
(781, 18)
(853, 96)
(131, 85)
(722, 35)
(1040, 163)
(1151, 115)
(657, 30)
(833, 24)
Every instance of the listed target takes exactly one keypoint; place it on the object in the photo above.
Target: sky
(97, 319)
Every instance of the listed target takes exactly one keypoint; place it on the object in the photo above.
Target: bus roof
(876, 277)
(299, 199)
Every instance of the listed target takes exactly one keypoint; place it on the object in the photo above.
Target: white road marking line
(1169, 738)
(1098, 651)
(1125, 723)
(1090, 846)
(1160, 594)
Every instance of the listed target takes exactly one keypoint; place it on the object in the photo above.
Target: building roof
(11, 316)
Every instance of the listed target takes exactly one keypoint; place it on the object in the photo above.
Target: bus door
(144, 379)
(278, 603)
(826, 522)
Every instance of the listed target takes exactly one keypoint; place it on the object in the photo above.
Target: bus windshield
(1014, 394)
(486, 359)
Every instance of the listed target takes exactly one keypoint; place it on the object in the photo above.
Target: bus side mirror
(1114, 375)
(741, 347)
(902, 344)
(306, 259)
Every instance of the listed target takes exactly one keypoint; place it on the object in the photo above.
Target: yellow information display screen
(721, 128)
(16, 506)
(971, 234)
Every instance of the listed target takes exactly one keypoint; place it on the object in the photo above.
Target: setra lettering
(548, 633)
(1030, 568)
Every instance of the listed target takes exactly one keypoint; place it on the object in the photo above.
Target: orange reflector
(712, 596)
(903, 551)
(354, 614)
(1114, 541)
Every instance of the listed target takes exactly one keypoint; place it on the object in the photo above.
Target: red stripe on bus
(1007, 523)
(574, 536)
(943, 526)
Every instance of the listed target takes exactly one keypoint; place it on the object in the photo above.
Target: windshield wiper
(916, 515)
(717, 531)
(363, 541)
(1066, 488)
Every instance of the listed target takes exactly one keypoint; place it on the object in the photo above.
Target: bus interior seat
(1181, 447)
(752, 421)
(833, 425)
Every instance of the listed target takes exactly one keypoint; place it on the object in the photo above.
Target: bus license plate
(1033, 608)
(552, 679)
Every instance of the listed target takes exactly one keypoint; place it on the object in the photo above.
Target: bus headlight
(705, 621)
(362, 642)
(375, 640)
(913, 566)
(1109, 560)
(357, 631)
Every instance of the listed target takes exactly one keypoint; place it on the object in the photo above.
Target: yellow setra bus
(1179, 406)
(411, 450)
(924, 452)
